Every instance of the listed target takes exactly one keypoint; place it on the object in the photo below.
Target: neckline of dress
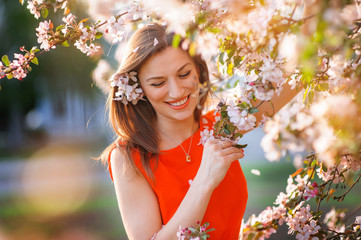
(186, 140)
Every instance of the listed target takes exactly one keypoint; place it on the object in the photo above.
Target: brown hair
(135, 124)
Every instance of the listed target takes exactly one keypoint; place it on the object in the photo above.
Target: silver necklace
(188, 157)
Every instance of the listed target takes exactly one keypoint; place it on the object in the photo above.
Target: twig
(340, 198)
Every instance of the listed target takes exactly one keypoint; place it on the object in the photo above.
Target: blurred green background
(53, 123)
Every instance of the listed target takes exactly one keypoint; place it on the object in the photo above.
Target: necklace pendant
(188, 158)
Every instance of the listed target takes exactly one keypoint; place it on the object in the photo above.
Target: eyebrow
(161, 77)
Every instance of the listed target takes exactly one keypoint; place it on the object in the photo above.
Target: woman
(163, 177)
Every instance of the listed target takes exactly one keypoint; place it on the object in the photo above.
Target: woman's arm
(269, 108)
(310, 8)
(138, 204)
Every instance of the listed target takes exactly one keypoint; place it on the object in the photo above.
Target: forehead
(165, 62)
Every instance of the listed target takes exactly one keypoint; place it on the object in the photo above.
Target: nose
(175, 88)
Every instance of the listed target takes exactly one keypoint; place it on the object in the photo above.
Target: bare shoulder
(121, 167)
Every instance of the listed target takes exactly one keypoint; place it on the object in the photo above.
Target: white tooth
(176, 104)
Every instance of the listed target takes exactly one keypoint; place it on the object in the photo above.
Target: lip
(184, 105)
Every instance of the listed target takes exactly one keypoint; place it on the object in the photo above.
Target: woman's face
(170, 82)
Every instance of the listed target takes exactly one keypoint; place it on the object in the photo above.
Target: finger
(233, 156)
(224, 143)
(231, 150)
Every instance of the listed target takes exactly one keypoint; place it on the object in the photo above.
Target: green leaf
(241, 146)
(221, 58)
(9, 76)
(313, 163)
(238, 135)
(5, 60)
(305, 94)
(230, 69)
(98, 35)
(34, 50)
(231, 51)
(216, 125)
(323, 86)
(44, 12)
(213, 30)
(35, 61)
(243, 105)
(192, 49)
(231, 128)
(176, 40)
(310, 96)
(59, 28)
(224, 114)
(237, 60)
(253, 110)
(226, 129)
(65, 44)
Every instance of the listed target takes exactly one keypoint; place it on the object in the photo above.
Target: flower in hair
(128, 88)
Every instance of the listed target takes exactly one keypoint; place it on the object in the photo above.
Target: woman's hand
(218, 155)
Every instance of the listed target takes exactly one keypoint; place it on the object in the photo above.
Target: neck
(173, 132)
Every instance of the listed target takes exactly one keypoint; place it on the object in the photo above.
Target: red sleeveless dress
(172, 180)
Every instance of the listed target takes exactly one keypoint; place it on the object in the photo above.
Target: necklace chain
(188, 157)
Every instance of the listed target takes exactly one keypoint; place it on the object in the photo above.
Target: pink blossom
(281, 199)
(32, 6)
(310, 192)
(271, 71)
(2, 72)
(69, 19)
(262, 94)
(125, 91)
(206, 135)
(334, 219)
(43, 35)
(350, 161)
(240, 118)
(115, 28)
(91, 49)
(82, 46)
(19, 73)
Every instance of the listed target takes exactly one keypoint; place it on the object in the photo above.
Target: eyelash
(157, 84)
(161, 83)
(186, 74)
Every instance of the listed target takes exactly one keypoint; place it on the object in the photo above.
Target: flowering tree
(255, 49)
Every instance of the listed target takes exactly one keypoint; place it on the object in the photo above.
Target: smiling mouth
(180, 103)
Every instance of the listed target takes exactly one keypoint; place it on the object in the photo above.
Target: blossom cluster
(316, 129)
(128, 89)
(40, 7)
(19, 67)
(45, 35)
(301, 220)
(231, 119)
(194, 233)
(82, 34)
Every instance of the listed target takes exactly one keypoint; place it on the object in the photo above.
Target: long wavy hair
(134, 125)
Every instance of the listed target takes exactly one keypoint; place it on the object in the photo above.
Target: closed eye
(185, 75)
(157, 84)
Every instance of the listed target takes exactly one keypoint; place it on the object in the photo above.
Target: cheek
(195, 83)
(154, 94)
